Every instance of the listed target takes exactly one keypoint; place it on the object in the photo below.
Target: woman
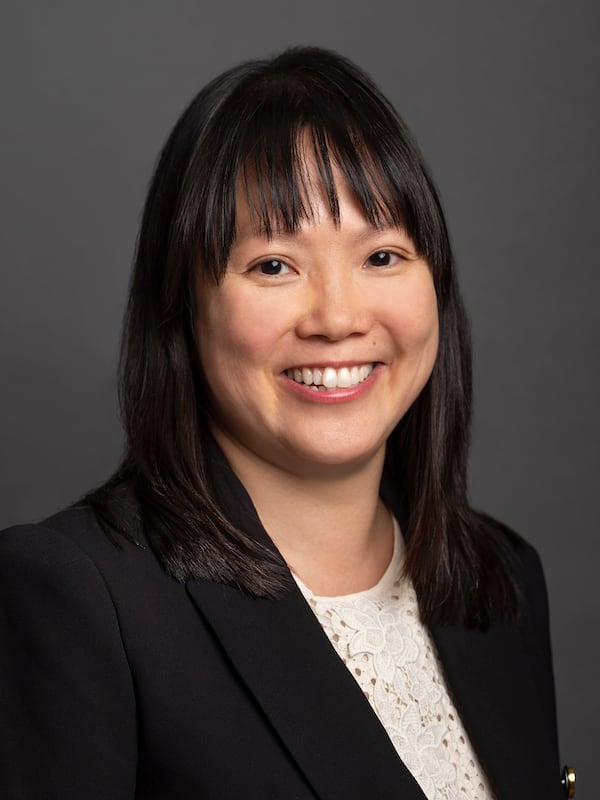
(283, 592)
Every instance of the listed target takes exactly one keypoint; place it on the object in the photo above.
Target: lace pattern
(379, 636)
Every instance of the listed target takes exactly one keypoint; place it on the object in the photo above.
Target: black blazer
(117, 682)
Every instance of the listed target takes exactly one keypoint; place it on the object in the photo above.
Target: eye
(383, 258)
(272, 267)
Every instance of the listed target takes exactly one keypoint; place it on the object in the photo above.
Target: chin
(334, 459)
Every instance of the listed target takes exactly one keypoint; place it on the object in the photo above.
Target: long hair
(246, 129)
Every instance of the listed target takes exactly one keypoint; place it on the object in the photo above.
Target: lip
(332, 364)
(332, 396)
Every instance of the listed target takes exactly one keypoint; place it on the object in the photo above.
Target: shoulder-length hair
(250, 124)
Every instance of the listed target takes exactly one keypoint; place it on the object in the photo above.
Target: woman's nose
(335, 307)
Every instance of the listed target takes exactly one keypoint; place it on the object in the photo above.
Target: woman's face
(315, 344)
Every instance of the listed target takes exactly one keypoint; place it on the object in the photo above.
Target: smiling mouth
(322, 379)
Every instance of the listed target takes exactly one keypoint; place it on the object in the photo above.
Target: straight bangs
(287, 131)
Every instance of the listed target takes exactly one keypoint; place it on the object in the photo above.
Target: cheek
(237, 333)
(414, 319)
(426, 323)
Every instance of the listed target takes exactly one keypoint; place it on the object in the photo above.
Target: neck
(333, 530)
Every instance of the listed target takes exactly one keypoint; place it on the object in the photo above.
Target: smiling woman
(283, 591)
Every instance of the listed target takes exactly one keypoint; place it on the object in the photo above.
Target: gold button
(568, 781)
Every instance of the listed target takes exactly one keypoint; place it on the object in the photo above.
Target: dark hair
(245, 126)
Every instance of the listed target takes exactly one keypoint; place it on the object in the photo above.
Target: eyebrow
(368, 232)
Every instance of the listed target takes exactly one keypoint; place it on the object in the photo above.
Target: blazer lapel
(495, 693)
(286, 661)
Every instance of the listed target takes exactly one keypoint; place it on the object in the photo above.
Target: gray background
(503, 98)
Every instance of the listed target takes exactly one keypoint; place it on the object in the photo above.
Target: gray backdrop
(503, 98)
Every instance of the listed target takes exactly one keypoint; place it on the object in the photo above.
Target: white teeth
(330, 378)
(344, 378)
(307, 376)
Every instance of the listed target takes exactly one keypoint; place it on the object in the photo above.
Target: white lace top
(378, 635)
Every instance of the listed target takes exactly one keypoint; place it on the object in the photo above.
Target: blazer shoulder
(523, 556)
(67, 536)
(39, 544)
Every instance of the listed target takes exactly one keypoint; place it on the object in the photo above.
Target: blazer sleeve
(67, 708)
(536, 625)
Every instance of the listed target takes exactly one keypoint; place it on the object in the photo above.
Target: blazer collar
(288, 664)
